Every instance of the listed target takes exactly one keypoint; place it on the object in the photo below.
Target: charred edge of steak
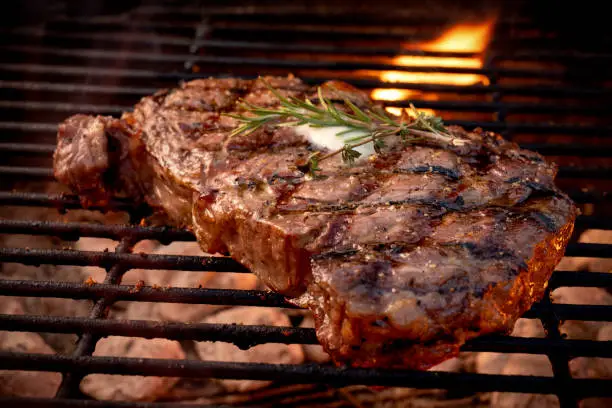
(450, 173)
(93, 157)
(434, 336)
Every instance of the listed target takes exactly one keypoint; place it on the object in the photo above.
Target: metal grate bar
(581, 279)
(22, 172)
(565, 56)
(349, 11)
(66, 70)
(592, 250)
(72, 231)
(593, 313)
(294, 64)
(319, 31)
(559, 359)
(28, 148)
(29, 126)
(305, 373)
(530, 55)
(148, 39)
(508, 107)
(269, 30)
(329, 49)
(172, 77)
(62, 107)
(126, 24)
(535, 90)
(61, 202)
(121, 37)
(72, 88)
(74, 403)
(109, 259)
(72, 290)
(95, 53)
(549, 149)
(245, 336)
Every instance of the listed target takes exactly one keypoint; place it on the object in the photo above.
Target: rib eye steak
(402, 257)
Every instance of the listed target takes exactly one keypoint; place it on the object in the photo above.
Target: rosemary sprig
(366, 126)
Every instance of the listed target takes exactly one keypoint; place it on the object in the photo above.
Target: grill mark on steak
(448, 173)
(402, 257)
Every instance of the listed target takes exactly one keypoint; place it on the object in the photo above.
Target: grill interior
(538, 92)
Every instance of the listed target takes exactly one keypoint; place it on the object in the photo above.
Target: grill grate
(542, 96)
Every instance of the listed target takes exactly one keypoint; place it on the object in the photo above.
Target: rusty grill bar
(43, 67)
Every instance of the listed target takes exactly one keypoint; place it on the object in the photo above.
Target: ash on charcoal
(263, 353)
(132, 388)
(179, 312)
(209, 280)
(37, 384)
(580, 329)
(578, 263)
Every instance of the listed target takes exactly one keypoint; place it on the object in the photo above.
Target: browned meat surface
(401, 257)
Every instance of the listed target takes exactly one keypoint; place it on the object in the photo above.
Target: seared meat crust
(401, 257)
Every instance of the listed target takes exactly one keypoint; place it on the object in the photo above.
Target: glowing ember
(462, 38)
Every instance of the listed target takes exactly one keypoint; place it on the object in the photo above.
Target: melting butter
(325, 138)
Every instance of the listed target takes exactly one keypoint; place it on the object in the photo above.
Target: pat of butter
(326, 138)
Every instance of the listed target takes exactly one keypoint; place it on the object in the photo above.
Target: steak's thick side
(401, 257)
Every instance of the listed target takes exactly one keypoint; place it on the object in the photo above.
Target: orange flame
(461, 38)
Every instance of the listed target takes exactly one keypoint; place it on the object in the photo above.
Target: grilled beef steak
(402, 257)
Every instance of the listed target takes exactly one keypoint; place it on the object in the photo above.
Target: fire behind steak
(401, 257)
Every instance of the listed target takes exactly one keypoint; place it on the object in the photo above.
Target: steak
(401, 257)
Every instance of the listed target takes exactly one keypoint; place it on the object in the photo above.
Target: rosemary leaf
(359, 114)
(358, 126)
(313, 164)
(349, 131)
(349, 155)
